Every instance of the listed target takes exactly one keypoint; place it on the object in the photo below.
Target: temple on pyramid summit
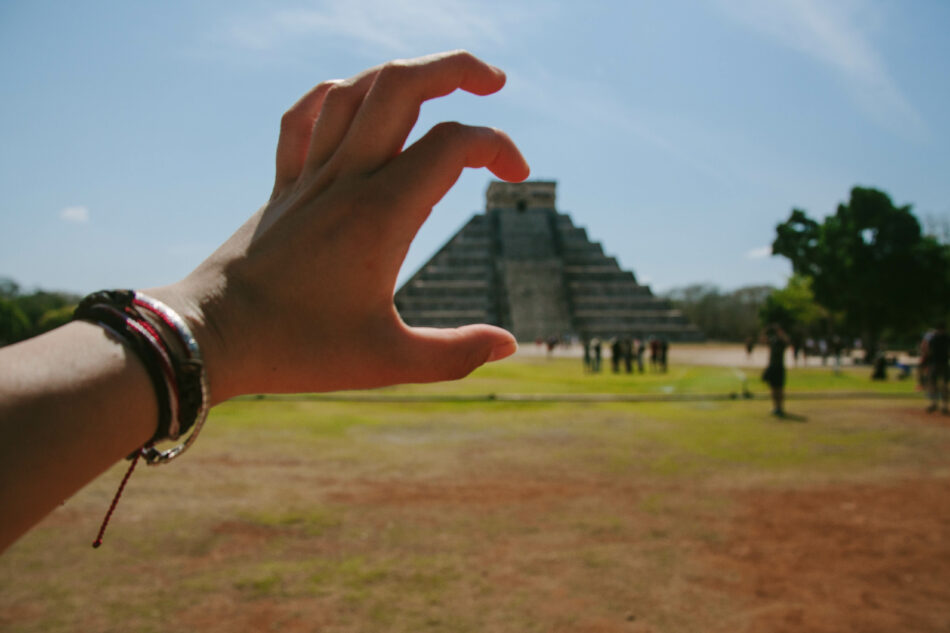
(524, 266)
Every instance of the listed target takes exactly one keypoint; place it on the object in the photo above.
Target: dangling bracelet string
(115, 500)
(172, 358)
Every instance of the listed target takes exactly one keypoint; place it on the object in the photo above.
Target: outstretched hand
(300, 298)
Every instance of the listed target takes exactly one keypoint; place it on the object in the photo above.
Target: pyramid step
(527, 267)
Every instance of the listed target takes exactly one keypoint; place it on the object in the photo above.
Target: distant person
(626, 349)
(597, 348)
(837, 348)
(774, 373)
(936, 354)
(587, 358)
(654, 353)
(879, 367)
(749, 346)
(616, 353)
(640, 349)
(663, 353)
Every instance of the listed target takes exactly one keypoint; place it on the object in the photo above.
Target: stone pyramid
(524, 266)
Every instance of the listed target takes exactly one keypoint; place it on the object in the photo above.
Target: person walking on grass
(935, 357)
(774, 374)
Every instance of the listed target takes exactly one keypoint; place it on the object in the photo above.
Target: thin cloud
(759, 253)
(75, 215)
(836, 34)
(382, 25)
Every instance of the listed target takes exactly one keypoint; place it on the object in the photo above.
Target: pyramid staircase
(525, 267)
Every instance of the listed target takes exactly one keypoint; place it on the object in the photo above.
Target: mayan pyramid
(524, 266)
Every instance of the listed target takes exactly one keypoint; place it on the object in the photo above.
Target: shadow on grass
(791, 417)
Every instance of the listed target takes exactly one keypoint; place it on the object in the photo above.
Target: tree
(14, 325)
(723, 316)
(793, 307)
(870, 262)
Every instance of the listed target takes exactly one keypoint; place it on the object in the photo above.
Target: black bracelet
(109, 309)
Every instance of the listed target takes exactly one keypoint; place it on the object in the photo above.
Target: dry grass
(304, 516)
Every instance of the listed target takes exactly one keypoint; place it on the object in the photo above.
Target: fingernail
(502, 350)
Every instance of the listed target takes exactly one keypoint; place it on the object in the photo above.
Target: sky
(136, 137)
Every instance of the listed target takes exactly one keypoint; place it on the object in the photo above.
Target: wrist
(196, 309)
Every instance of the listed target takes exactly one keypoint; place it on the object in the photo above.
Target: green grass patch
(526, 375)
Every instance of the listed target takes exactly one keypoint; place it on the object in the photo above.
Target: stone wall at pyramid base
(525, 267)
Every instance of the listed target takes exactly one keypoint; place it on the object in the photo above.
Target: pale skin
(299, 299)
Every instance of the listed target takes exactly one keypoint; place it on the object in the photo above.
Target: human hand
(300, 298)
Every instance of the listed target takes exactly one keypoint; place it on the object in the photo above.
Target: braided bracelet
(194, 399)
(173, 363)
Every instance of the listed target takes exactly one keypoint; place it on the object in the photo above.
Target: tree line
(868, 271)
(26, 314)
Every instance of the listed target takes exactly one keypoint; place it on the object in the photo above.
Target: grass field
(317, 515)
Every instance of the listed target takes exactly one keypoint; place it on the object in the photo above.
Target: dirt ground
(859, 558)
(468, 539)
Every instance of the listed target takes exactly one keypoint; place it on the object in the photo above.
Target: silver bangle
(176, 323)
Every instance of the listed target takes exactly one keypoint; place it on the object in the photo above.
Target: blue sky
(137, 136)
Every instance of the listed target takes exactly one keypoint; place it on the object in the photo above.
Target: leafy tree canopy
(723, 316)
(794, 306)
(870, 262)
(14, 325)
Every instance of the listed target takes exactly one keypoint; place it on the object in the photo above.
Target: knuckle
(463, 55)
(393, 76)
(340, 95)
(292, 119)
(448, 130)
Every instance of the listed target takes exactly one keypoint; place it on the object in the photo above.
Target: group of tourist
(933, 369)
(624, 352)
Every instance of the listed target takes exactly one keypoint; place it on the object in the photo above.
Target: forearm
(72, 403)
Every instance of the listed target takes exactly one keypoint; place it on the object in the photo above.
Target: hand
(300, 298)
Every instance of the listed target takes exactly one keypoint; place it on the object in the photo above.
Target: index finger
(391, 107)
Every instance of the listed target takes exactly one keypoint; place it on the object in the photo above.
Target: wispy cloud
(759, 253)
(572, 99)
(382, 25)
(75, 215)
(837, 34)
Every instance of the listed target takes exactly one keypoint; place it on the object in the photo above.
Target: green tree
(793, 307)
(722, 316)
(14, 326)
(54, 318)
(870, 262)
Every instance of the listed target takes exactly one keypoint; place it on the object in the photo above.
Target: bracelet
(165, 344)
(194, 399)
(101, 309)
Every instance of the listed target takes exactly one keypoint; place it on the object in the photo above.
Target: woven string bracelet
(164, 343)
(194, 398)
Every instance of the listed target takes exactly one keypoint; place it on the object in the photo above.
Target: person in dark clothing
(774, 373)
(627, 350)
(615, 355)
(936, 356)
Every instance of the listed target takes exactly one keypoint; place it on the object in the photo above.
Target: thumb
(433, 354)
